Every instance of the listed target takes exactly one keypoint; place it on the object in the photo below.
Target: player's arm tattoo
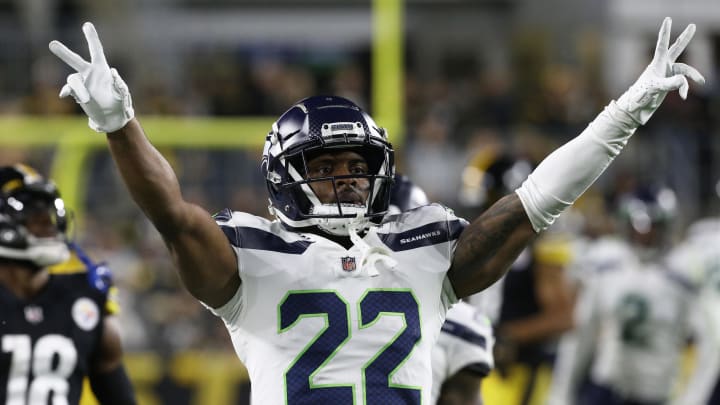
(489, 245)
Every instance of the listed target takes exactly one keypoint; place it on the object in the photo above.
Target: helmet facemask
(336, 214)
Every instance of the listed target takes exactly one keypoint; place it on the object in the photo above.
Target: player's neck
(22, 281)
(341, 240)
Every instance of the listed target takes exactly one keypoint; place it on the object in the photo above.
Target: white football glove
(99, 90)
(661, 76)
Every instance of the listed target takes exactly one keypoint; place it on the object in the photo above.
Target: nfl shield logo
(34, 314)
(348, 263)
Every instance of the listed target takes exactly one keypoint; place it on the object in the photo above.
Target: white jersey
(697, 260)
(466, 340)
(313, 326)
(593, 257)
(634, 321)
(703, 228)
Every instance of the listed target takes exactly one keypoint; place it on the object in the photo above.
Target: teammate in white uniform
(697, 260)
(335, 302)
(634, 319)
(463, 354)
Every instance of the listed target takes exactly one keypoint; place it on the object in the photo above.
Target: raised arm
(199, 248)
(490, 244)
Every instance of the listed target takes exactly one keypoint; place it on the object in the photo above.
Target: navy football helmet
(406, 195)
(647, 215)
(319, 124)
(25, 194)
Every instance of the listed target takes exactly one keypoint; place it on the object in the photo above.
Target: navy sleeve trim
(456, 227)
(681, 281)
(224, 215)
(426, 235)
(252, 238)
(463, 332)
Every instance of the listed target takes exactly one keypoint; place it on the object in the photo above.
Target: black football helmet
(490, 176)
(25, 196)
(319, 124)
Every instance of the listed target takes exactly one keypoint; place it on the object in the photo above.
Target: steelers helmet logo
(85, 313)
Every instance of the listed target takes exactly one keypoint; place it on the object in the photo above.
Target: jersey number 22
(377, 373)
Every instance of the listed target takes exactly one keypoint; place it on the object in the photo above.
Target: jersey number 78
(51, 362)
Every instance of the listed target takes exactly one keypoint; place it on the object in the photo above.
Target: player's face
(654, 237)
(41, 225)
(352, 190)
(39, 219)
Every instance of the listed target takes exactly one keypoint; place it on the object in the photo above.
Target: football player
(531, 306)
(56, 327)
(463, 355)
(635, 317)
(332, 302)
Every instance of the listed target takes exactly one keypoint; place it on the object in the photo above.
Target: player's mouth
(349, 196)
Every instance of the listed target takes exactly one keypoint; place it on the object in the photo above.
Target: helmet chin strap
(48, 253)
(370, 255)
(42, 252)
(340, 226)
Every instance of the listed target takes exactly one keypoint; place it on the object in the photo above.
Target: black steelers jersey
(49, 341)
(520, 299)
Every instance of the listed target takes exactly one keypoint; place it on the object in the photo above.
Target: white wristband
(567, 172)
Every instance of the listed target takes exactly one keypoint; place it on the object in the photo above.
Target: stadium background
(446, 77)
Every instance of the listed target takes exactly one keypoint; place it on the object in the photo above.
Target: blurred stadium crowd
(469, 104)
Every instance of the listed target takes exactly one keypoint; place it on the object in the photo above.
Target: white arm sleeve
(567, 172)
